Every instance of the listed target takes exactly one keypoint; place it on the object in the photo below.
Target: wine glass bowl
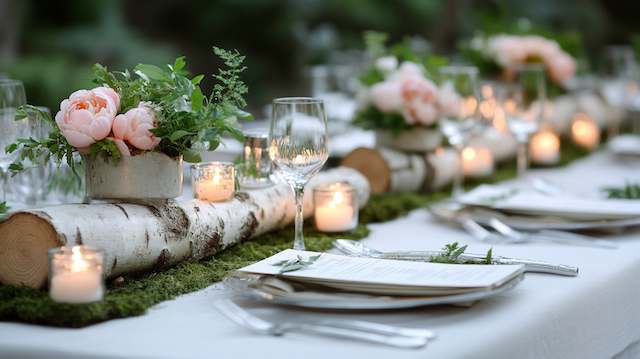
(298, 147)
(460, 121)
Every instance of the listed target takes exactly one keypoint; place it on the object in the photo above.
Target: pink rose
(133, 127)
(87, 115)
(407, 70)
(386, 96)
(420, 112)
(420, 100)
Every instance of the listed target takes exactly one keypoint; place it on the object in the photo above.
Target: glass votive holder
(335, 207)
(213, 181)
(76, 274)
(255, 169)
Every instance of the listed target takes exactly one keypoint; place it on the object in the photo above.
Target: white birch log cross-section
(151, 236)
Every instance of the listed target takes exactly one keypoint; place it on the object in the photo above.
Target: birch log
(150, 235)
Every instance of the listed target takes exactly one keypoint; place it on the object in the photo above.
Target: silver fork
(549, 235)
(360, 330)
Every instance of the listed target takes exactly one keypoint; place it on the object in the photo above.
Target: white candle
(477, 162)
(76, 275)
(334, 208)
(214, 181)
(544, 148)
(585, 132)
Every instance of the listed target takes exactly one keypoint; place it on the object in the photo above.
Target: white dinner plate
(533, 203)
(625, 145)
(336, 300)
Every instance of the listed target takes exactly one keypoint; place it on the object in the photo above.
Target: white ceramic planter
(415, 140)
(151, 175)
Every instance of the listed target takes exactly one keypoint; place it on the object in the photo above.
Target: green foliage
(187, 117)
(628, 191)
(40, 151)
(3, 210)
(106, 148)
(294, 264)
(452, 251)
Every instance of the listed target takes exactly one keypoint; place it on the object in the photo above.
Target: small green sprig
(3, 210)
(451, 253)
(628, 191)
(294, 264)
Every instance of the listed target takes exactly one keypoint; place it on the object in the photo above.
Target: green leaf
(196, 80)
(151, 72)
(178, 135)
(179, 64)
(191, 156)
(213, 144)
(196, 99)
(11, 148)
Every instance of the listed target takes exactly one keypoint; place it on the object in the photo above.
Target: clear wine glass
(12, 96)
(298, 147)
(460, 120)
(620, 87)
(523, 102)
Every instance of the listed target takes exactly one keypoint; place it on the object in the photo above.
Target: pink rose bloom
(561, 67)
(508, 50)
(420, 100)
(386, 96)
(133, 127)
(87, 115)
(418, 87)
(420, 112)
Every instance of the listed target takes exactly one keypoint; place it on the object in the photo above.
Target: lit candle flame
(78, 264)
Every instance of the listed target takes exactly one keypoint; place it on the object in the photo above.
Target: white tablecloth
(595, 315)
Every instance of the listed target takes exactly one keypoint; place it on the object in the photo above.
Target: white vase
(414, 140)
(151, 175)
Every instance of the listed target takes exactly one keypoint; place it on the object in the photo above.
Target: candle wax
(334, 218)
(76, 287)
(477, 162)
(214, 191)
(545, 148)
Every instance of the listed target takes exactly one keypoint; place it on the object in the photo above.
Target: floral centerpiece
(401, 100)
(134, 128)
(497, 54)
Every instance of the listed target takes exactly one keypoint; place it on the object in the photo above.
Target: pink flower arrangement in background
(510, 50)
(406, 90)
(88, 116)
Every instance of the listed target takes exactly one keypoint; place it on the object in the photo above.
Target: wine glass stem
(523, 157)
(458, 179)
(298, 241)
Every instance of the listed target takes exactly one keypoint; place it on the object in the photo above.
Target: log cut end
(372, 165)
(25, 240)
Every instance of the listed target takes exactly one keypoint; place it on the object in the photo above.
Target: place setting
(382, 194)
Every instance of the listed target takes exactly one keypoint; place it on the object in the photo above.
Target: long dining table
(593, 315)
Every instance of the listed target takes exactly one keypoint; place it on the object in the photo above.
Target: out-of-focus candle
(544, 148)
(585, 132)
(75, 275)
(477, 162)
(336, 208)
(213, 181)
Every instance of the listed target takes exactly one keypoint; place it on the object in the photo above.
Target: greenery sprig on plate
(294, 264)
(451, 254)
(628, 191)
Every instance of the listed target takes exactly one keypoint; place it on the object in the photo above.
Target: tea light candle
(585, 132)
(544, 148)
(477, 162)
(75, 275)
(213, 181)
(336, 208)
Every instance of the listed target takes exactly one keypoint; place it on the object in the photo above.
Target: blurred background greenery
(50, 45)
